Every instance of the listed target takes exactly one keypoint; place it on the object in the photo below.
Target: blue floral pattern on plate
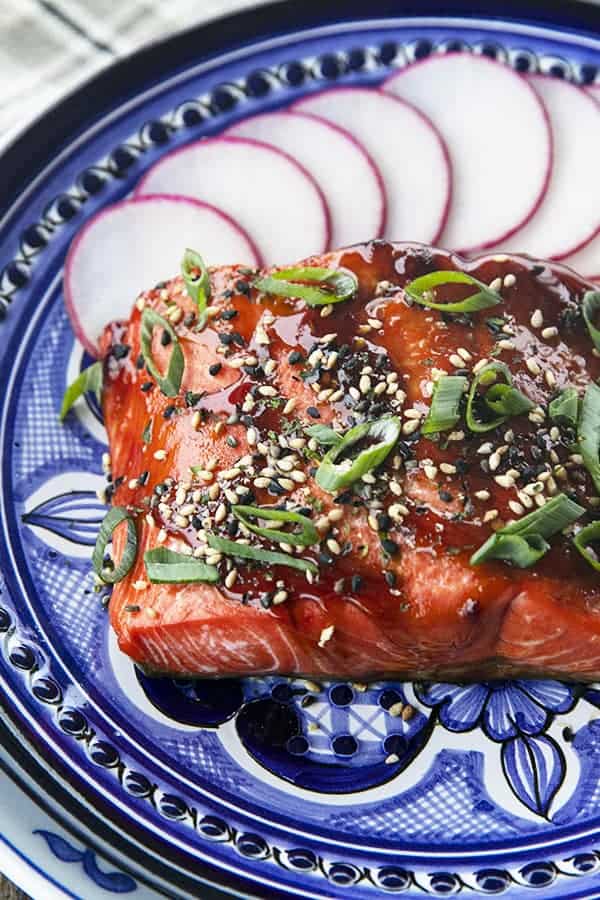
(307, 789)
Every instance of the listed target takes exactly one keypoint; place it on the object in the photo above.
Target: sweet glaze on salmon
(395, 594)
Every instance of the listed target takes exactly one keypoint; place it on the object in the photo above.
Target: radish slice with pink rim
(569, 216)
(407, 150)
(129, 247)
(268, 193)
(499, 140)
(350, 180)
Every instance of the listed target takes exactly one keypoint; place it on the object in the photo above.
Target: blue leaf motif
(117, 882)
(74, 515)
(535, 769)
(62, 849)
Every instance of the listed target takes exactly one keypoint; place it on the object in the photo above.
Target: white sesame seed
(354, 393)
(537, 319)
(140, 585)
(447, 468)
(265, 390)
(326, 311)
(289, 406)
(515, 507)
(540, 499)
(333, 546)
(536, 417)
(430, 472)
(286, 464)
(411, 426)
(368, 478)
(331, 359)
(231, 578)
(485, 449)
(506, 344)
(182, 521)
(456, 361)
(380, 388)
(509, 280)
(160, 454)
(261, 482)
(213, 559)
(533, 366)
(464, 354)
(270, 366)
(576, 458)
(230, 474)
(188, 510)
(548, 333)
(133, 483)
(161, 536)
(550, 378)
(324, 395)
(364, 385)
(175, 315)
(490, 515)
(375, 323)
(220, 513)
(480, 365)
(322, 524)
(482, 495)
(328, 338)
(260, 336)
(504, 481)
(286, 483)
(396, 488)
(315, 358)
(196, 419)
(326, 635)
(496, 284)
(494, 461)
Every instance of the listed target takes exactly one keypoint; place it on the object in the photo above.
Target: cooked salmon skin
(389, 587)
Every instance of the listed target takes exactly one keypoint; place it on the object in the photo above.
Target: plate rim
(220, 35)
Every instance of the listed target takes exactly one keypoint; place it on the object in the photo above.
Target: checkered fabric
(47, 47)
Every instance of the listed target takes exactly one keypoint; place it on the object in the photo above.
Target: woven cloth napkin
(47, 47)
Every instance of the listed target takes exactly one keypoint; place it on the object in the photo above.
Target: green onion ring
(168, 567)
(111, 520)
(171, 382)
(422, 291)
(336, 285)
(307, 536)
(332, 476)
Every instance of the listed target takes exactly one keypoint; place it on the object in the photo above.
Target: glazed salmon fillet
(379, 575)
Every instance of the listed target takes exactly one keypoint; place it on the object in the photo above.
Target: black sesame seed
(120, 351)
(231, 441)
(189, 319)
(446, 496)
(295, 357)
(242, 287)
(313, 412)
(275, 488)
(232, 528)
(196, 523)
(344, 498)
(356, 584)
(325, 559)
(168, 412)
(238, 339)
(165, 338)
(132, 608)
(140, 362)
(226, 339)
(147, 386)
(229, 314)
(462, 467)
(384, 523)
(143, 479)
(390, 547)
(390, 578)
(266, 600)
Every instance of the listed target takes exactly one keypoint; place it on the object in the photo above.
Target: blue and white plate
(114, 783)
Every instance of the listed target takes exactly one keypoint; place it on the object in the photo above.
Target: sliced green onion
(422, 291)
(502, 399)
(532, 532)
(583, 540)
(168, 567)
(332, 475)
(89, 380)
(114, 517)
(444, 411)
(335, 285)
(197, 281)
(322, 434)
(588, 432)
(590, 308)
(245, 551)
(308, 533)
(171, 382)
(565, 407)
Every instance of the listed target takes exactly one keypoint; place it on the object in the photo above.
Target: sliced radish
(569, 216)
(129, 247)
(270, 194)
(351, 182)
(406, 149)
(499, 140)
